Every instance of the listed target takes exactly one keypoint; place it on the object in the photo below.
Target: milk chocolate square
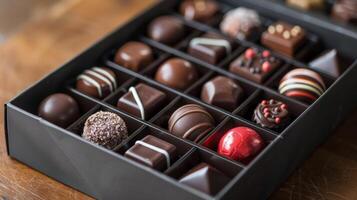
(210, 47)
(152, 152)
(149, 101)
(284, 38)
(255, 65)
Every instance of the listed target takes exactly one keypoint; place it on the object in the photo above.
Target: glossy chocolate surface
(150, 98)
(271, 114)
(150, 152)
(166, 29)
(199, 10)
(328, 63)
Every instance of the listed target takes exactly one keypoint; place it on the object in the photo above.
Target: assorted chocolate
(307, 4)
(60, 109)
(205, 178)
(177, 73)
(167, 30)
(284, 38)
(327, 62)
(153, 152)
(97, 82)
(255, 65)
(271, 114)
(241, 23)
(210, 47)
(106, 129)
(191, 122)
(223, 92)
(302, 84)
(134, 55)
(199, 10)
(240, 144)
(345, 11)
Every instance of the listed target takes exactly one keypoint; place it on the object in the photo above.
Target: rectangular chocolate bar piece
(210, 47)
(152, 152)
(142, 101)
(255, 65)
(284, 38)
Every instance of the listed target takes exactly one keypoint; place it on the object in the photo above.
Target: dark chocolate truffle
(210, 47)
(199, 10)
(97, 82)
(106, 129)
(60, 109)
(166, 29)
(271, 114)
(302, 84)
(241, 23)
(345, 11)
(191, 122)
(205, 178)
(255, 65)
(153, 152)
(284, 38)
(222, 92)
(134, 55)
(142, 101)
(328, 63)
(176, 73)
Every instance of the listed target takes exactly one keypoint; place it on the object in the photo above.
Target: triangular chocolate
(205, 178)
(327, 63)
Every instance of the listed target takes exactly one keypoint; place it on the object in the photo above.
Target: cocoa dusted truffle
(191, 122)
(153, 152)
(222, 92)
(97, 82)
(166, 29)
(134, 55)
(205, 178)
(255, 65)
(177, 73)
(60, 109)
(303, 85)
(241, 23)
(199, 10)
(271, 114)
(106, 129)
(240, 144)
(284, 38)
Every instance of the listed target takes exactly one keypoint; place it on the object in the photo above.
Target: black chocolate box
(64, 155)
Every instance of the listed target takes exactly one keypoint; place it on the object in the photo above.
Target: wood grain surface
(68, 27)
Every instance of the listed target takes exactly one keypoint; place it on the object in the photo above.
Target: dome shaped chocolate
(60, 109)
(176, 73)
(191, 122)
(166, 29)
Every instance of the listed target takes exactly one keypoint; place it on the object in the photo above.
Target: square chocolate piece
(255, 65)
(210, 47)
(142, 101)
(152, 152)
(284, 38)
(205, 178)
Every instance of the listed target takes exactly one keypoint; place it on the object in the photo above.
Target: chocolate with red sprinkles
(106, 129)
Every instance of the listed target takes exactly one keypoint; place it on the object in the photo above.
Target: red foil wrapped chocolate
(240, 143)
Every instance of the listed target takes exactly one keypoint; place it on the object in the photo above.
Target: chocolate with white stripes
(153, 152)
(302, 84)
(97, 82)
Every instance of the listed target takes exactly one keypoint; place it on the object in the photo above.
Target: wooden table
(70, 26)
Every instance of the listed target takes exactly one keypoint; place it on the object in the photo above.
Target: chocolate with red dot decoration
(240, 144)
(255, 65)
(271, 114)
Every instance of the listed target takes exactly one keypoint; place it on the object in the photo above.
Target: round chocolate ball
(176, 73)
(240, 143)
(303, 85)
(97, 82)
(60, 109)
(223, 92)
(191, 122)
(134, 55)
(199, 10)
(166, 29)
(106, 129)
(271, 114)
